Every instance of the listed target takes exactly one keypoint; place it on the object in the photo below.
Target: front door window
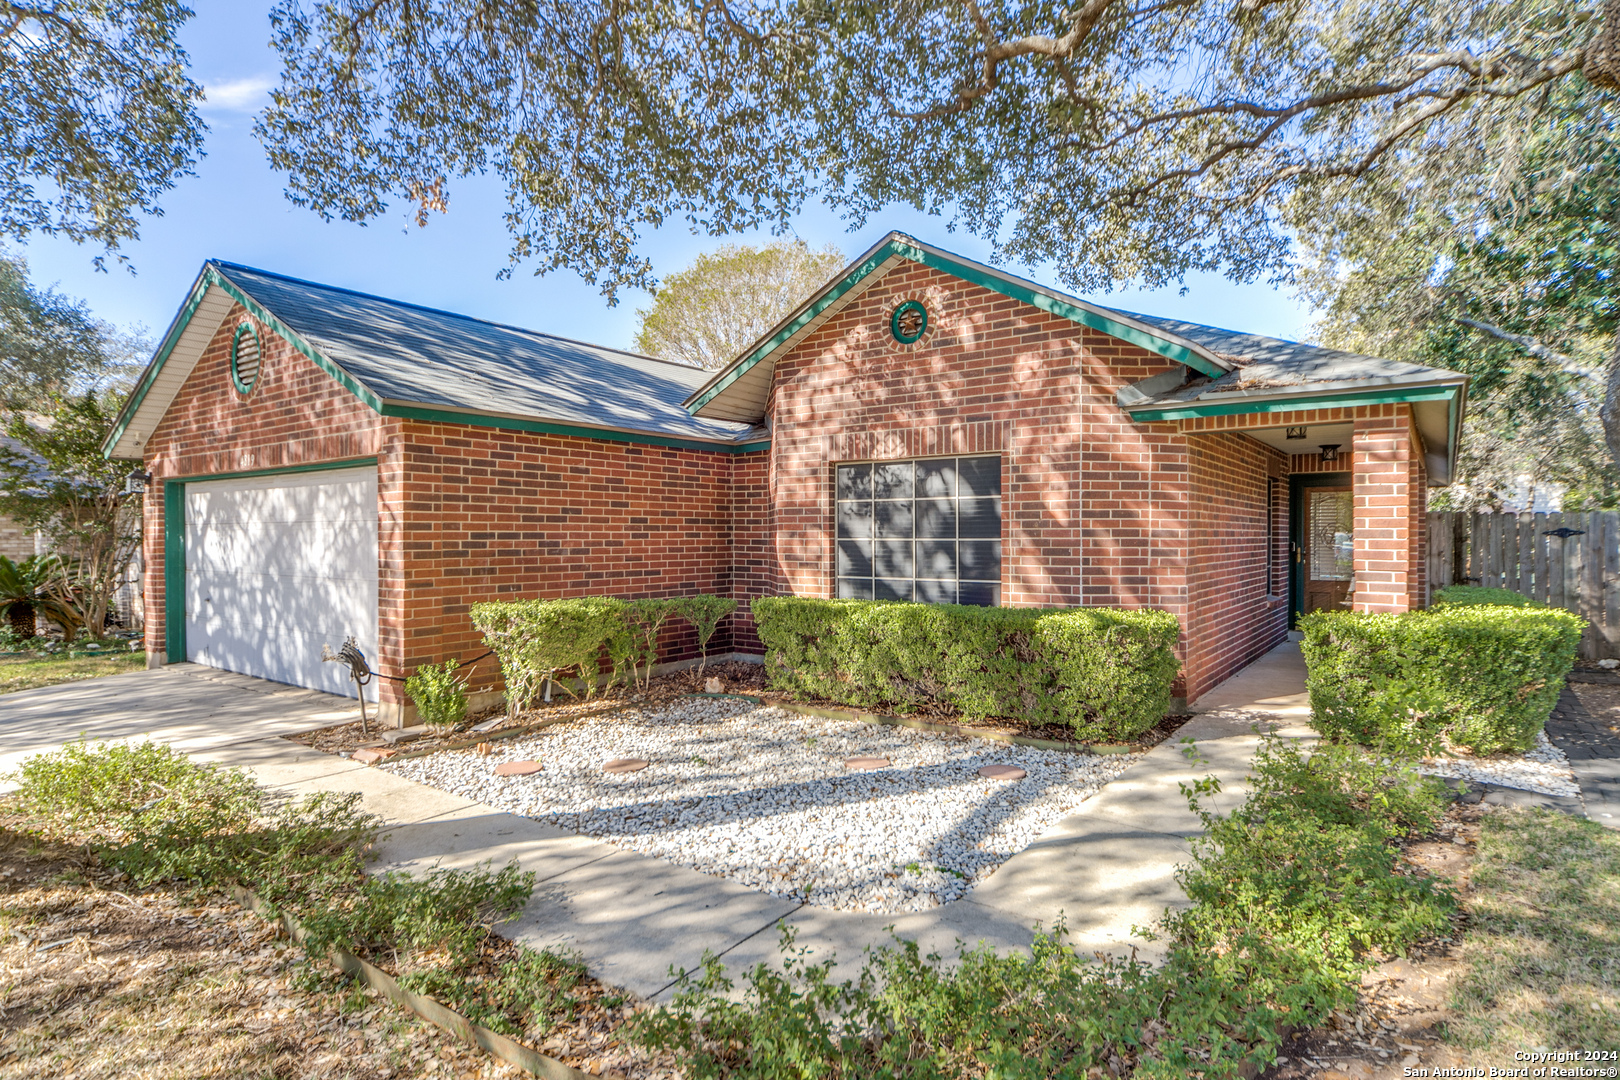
(1330, 549)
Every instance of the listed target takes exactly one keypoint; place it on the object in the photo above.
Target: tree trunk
(1611, 405)
(21, 616)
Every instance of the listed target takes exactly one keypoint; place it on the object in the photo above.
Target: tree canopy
(50, 344)
(1121, 140)
(98, 116)
(1506, 270)
(706, 314)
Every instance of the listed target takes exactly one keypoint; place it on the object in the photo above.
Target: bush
(536, 639)
(1478, 676)
(1467, 595)
(1292, 895)
(1105, 672)
(441, 698)
(704, 612)
(155, 814)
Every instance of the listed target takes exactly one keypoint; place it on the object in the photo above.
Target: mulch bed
(737, 677)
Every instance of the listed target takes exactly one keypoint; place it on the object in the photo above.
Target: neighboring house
(328, 463)
(16, 542)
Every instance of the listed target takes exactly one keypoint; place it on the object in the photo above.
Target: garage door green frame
(174, 542)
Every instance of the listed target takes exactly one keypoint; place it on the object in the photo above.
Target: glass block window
(928, 530)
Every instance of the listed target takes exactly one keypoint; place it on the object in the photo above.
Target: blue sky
(234, 209)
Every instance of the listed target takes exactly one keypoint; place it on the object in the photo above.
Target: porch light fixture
(135, 483)
(1330, 452)
(1296, 433)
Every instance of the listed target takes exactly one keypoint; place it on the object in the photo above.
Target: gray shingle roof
(421, 356)
(1268, 363)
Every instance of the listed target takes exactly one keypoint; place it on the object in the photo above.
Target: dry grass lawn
(98, 983)
(1542, 952)
(33, 670)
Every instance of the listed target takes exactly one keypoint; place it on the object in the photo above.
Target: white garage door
(277, 566)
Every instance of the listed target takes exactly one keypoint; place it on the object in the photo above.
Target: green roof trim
(1318, 400)
(211, 276)
(545, 427)
(149, 376)
(803, 319)
(967, 271)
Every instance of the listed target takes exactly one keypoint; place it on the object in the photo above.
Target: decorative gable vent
(245, 357)
(909, 322)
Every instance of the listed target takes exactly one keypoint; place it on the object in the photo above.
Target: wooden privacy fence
(1570, 561)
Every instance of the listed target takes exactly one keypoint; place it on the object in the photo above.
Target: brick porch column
(1390, 492)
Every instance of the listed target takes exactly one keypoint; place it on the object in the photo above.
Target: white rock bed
(1543, 768)
(762, 797)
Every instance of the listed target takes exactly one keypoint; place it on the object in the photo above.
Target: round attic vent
(245, 355)
(909, 322)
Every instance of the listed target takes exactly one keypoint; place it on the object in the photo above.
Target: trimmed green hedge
(1469, 595)
(540, 639)
(1104, 671)
(1479, 676)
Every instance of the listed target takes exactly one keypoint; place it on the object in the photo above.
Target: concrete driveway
(188, 706)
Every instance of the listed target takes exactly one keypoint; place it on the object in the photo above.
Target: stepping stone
(369, 757)
(405, 734)
(1002, 772)
(624, 764)
(861, 763)
(517, 768)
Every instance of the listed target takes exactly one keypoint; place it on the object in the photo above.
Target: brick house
(923, 427)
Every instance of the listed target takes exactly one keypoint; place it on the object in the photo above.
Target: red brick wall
(1094, 507)
(754, 569)
(1390, 490)
(296, 414)
(1237, 607)
(492, 514)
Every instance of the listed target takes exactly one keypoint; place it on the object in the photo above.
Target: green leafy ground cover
(159, 817)
(1295, 894)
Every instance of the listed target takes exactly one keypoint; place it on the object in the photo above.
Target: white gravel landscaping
(1543, 768)
(762, 796)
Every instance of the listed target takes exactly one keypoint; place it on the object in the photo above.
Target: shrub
(1466, 595)
(704, 612)
(536, 639)
(1291, 896)
(1105, 672)
(441, 698)
(1482, 677)
(159, 816)
(645, 619)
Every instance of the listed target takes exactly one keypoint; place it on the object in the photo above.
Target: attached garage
(275, 567)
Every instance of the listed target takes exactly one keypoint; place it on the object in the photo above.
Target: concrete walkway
(1105, 869)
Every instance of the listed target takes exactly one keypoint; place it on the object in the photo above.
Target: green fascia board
(1096, 320)
(211, 276)
(1297, 404)
(546, 427)
(1170, 350)
(283, 470)
(174, 570)
(854, 277)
